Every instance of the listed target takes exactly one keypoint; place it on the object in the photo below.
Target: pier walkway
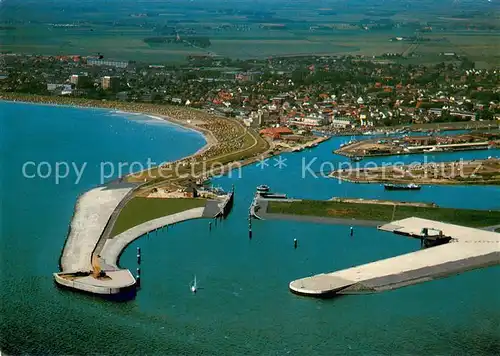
(89, 261)
(113, 247)
(92, 213)
(469, 249)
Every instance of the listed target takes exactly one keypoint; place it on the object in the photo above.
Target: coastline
(204, 123)
(210, 140)
(120, 109)
(96, 104)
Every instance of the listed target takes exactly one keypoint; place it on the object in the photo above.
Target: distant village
(335, 94)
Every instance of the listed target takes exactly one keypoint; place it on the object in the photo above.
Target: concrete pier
(92, 213)
(89, 261)
(116, 283)
(469, 249)
(258, 208)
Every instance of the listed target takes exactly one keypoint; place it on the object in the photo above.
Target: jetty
(419, 144)
(480, 172)
(112, 248)
(92, 214)
(467, 249)
(261, 198)
(89, 260)
(93, 210)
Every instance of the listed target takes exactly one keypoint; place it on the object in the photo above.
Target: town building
(79, 80)
(103, 62)
(309, 121)
(342, 122)
(109, 83)
(191, 191)
(276, 133)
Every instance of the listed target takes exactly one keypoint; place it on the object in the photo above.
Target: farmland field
(117, 29)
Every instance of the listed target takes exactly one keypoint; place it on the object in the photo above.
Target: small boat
(194, 285)
(434, 149)
(263, 189)
(411, 186)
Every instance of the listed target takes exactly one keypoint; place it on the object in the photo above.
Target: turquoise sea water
(243, 305)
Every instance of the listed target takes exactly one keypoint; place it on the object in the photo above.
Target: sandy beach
(207, 135)
(116, 107)
(224, 138)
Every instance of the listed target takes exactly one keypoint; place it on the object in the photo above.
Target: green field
(140, 210)
(379, 212)
(240, 30)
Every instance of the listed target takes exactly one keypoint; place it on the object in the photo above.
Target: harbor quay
(477, 172)
(467, 249)
(387, 146)
(447, 248)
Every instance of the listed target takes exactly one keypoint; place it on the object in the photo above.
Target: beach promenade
(468, 249)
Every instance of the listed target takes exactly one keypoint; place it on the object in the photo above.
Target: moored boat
(434, 149)
(411, 186)
(264, 191)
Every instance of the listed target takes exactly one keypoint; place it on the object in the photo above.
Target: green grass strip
(379, 212)
(141, 210)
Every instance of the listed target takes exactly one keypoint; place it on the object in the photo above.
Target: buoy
(250, 234)
(210, 226)
(138, 277)
(295, 243)
(352, 231)
(138, 255)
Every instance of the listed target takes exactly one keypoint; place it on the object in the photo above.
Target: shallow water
(243, 305)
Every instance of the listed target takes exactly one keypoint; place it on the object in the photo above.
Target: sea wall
(114, 247)
(92, 213)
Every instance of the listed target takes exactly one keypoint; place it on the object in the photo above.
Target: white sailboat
(194, 285)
